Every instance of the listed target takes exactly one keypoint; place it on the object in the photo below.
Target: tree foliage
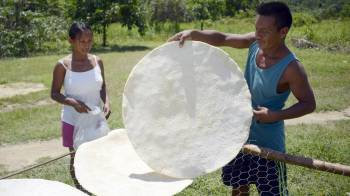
(34, 26)
(162, 11)
(25, 26)
(132, 14)
(101, 13)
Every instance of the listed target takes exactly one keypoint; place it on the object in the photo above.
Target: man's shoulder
(295, 64)
(295, 69)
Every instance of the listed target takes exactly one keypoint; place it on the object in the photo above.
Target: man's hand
(181, 36)
(264, 115)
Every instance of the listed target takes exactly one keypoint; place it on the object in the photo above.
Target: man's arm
(215, 38)
(295, 76)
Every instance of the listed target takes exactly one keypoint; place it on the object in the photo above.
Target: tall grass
(330, 32)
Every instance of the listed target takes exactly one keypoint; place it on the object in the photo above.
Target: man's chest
(265, 64)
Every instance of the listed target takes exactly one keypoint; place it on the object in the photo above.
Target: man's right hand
(181, 37)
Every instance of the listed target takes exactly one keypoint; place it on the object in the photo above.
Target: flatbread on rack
(109, 166)
(37, 187)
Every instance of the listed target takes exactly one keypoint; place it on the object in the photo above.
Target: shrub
(301, 19)
(24, 32)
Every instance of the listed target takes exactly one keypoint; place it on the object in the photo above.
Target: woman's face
(82, 43)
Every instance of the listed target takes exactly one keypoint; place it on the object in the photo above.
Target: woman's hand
(79, 106)
(107, 110)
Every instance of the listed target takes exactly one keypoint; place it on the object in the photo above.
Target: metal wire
(35, 166)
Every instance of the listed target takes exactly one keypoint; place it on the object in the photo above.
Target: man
(272, 72)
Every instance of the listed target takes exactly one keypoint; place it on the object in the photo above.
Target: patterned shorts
(269, 176)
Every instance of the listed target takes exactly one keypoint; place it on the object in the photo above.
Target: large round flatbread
(187, 110)
(37, 187)
(109, 166)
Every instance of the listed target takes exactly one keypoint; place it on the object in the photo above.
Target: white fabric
(84, 86)
(89, 126)
(187, 110)
(109, 166)
(36, 187)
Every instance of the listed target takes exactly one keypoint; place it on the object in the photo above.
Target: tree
(26, 25)
(101, 13)
(200, 10)
(173, 11)
(132, 14)
(233, 6)
(216, 9)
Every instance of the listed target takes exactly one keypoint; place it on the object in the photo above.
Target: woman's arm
(103, 92)
(59, 73)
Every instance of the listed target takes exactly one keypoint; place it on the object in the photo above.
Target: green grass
(324, 142)
(57, 171)
(328, 73)
(328, 142)
(327, 33)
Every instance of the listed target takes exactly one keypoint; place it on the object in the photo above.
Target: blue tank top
(262, 84)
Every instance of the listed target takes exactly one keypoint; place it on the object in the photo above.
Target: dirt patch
(14, 157)
(12, 107)
(20, 88)
(320, 118)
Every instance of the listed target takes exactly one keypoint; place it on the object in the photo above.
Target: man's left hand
(264, 115)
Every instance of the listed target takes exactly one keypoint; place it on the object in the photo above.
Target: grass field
(329, 74)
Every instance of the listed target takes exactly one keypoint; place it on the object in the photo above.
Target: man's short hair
(279, 10)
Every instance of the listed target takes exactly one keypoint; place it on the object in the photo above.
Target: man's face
(267, 33)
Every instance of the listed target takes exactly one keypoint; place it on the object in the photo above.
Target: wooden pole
(297, 160)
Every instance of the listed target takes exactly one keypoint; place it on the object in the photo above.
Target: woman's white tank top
(83, 86)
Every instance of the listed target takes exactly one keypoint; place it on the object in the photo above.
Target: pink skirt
(67, 134)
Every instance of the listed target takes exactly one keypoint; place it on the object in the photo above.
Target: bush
(345, 11)
(29, 27)
(32, 37)
(301, 19)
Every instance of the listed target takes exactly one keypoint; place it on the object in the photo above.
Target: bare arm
(297, 80)
(215, 38)
(301, 89)
(56, 85)
(103, 92)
